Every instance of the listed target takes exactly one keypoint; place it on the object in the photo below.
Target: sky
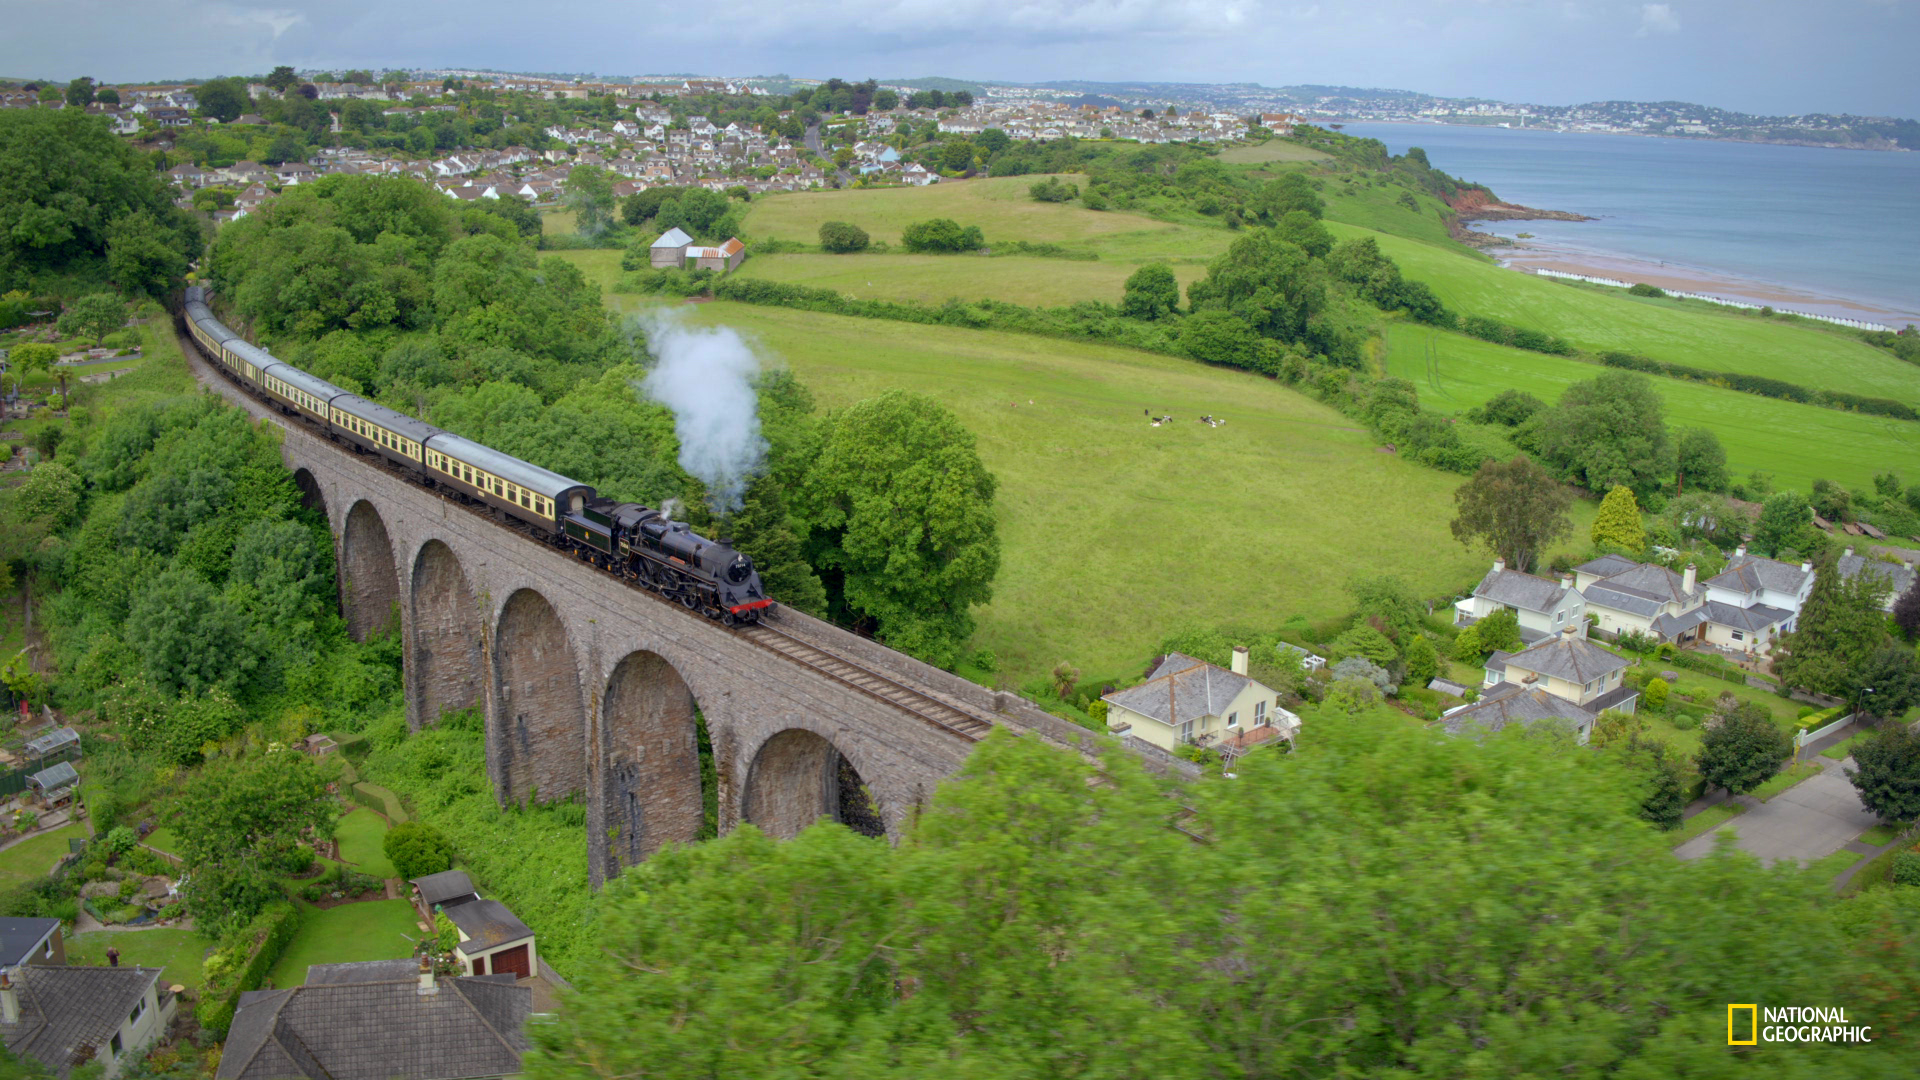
(1760, 56)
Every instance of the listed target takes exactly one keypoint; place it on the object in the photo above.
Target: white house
(1754, 601)
(1565, 678)
(1545, 607)
(1190, 701)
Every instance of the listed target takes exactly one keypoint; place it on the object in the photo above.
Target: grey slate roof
(1605, 594)
(673, 238)
(65, 1008)
(1568, 657)
(20, 939)
(1674, 625)
(1756, 617)
(445, 886)
(1518, 590)
(1497, 662)
(488, 924)
(1750, 573)
(1181, 689)
(1508, 703)
(379, 1030)
(1606, 566)
(1898, 577)
(362, 971)
(1616, 698)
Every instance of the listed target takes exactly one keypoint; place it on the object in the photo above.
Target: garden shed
(54, 785)
(61, 744)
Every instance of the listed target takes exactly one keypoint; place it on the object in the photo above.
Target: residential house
(64, 1017)
(187, 176)
(1631, 597)
(380, 1020)
(1898, 576)
(1185, 700)
(1565, 678)
(919, 175)
(296, 172)
(253, 198)
(1754, 601)
(1545, 607)
(31, 941)
(669, 252)
(170, 117)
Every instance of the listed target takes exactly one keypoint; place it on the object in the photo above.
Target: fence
(1806, 737)
(1721, 300)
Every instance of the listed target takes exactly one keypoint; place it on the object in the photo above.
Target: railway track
(967, 725)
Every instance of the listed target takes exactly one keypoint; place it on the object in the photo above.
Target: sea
(1827, 226)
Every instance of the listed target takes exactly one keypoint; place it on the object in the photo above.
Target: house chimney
(1806, 567)
(1570, 630)
(1847, 554)
(1499, 565)
(9, 1000)
(1689, 579)
(426, 976)
(1239, 659)
(1740, 552)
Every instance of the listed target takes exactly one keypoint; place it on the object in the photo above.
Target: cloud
(1657, 20)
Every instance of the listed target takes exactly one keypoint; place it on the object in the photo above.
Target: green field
(1684, 332)
(178, 951)
(361, 834)
(374, 930)
(1797, 443)
(1001, 208)
(1114, 532)
(34, 857)
(1273, 151)
(934, 279)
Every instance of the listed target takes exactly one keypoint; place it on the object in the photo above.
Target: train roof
(291, 375)
(509, 468)
(397, 422)
(252, 353)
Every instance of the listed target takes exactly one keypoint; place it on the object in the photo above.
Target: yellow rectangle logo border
(1752, 1011)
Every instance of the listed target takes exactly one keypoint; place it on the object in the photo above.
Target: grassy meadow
(934, 279)
(1272, 152)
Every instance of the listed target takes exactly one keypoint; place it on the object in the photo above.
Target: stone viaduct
(590, 687)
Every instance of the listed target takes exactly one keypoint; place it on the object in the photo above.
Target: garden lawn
(361, 834)
(1001, 208)
(1705, 820)
(1788, 777)
(34, 857)
(1881, 835)
(934, 279)
(1839, 751)
(1797, 443)
(178, 951)
(1115, 533)
(1685, 332)
(162, 839)
(374, 930)
(1832, 866)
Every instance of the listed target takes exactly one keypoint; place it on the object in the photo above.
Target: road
(1808, 821)
(812, 140)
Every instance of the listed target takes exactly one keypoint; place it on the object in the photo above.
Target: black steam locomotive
(635, 541)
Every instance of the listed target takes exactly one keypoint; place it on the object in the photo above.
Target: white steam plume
(705, 375)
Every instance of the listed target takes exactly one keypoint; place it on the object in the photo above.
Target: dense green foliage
(1888, 777)
(842, 238)
(1514, 509)
(417, 849)
(1839, 628)
(1745, 749)
(240, 824)
(941, 236)
(1037, 923)
(83, 206)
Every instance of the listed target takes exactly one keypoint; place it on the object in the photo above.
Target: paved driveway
(1809, 821)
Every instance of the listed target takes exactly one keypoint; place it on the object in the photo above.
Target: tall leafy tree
(1514, 509)
(1783, 517)
(1744, 750)
(1886, 683)
(1266, 280)
(1888, 777)
(283, 79)
(903, 521)
(1618, 522)
(1839, 627)
(1609, 431)
(237, 821)
(1906, 610)
(1700, 462)
(590, 197)
(93, 317)
(1151, 292)
(80, 92)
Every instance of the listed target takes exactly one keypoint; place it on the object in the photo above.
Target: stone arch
(799, 777)
(654, 793)
(541, 740)
(445, 664)
(311, 496)
(370, 583)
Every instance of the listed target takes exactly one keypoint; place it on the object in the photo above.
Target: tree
(1423, 661)
(107, 95)
(1268, 282)
(93, 317)
(1782, 517)
(1744, 750)
(1365, 642)
(941, 235)
(1888, 777)
(590, 197)
(1906, 610)
(1700, 462)
(282, 78)
(1499, 631)
(1304, 230)
(417, 849)
(1618, 523)
(1608, 432)
(188, 636)
(51, 491)
(842, 238)
(1886, 684)
(902, 516)
(1064, 676)
(80, 92)
(1831, 501)
(1665, 799)
(886, 100)
(224, 99)
(1053, 189)
(236, 821)
(1152, 292)
(1839, 626)
(1279, 197)
(843, 157)
(1514, 508)
(1387, 602)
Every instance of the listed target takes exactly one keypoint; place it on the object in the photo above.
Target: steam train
(634, 541)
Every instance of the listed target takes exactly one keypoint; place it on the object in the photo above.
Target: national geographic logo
(1752, 1025)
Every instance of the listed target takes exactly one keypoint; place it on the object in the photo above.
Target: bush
(417, 849)
(1644, 289)
(297, 860)
(1906, 868)
(120, 840)
(242, 962)
(1052, 189)
(843, 238)
(942, 235)
(1686, 722)
(1656, 692)
(312, 892)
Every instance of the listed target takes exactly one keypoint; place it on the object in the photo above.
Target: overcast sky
(1768, 56)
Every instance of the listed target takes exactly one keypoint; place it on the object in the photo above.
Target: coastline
(1809, 144)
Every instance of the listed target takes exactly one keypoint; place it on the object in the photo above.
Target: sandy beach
(1530, 255)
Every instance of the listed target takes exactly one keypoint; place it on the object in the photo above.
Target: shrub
(942, 235)
(417, 849)
(1685, 722)
(843, 238)
(1644, 289)
(1906, 868)
(312, 892)
(1656, 692)
(1053, 189)
(120, 840)
(242, 961)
